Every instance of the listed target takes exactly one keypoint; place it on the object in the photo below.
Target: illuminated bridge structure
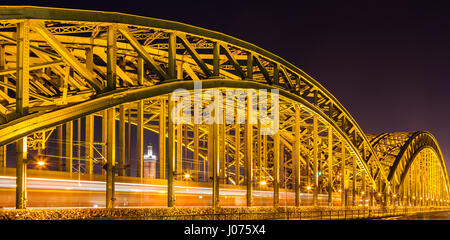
(82, 92)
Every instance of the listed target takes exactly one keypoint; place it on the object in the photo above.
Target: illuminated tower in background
(149, 163)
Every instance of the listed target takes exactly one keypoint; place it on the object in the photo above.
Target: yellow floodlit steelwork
(59, 66)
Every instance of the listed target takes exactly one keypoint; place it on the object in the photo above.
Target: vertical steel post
(364, 192)
(79, 147)
(122, 140)
(257, 161)
(223, 153)
(162, 138)
(89, 141)
(237, 149)
(110, 157)
(69, 147)
(215, 161)
(330, 166)
(354, 181)
(179, 136)
(3, 156)
(343, 177)
(3, 79)
(140, 140)
(129, 143)
(216, 59)
(140, 70)
(296, 155)
(276, 169)
(249, 65)
(171, 155)
(196, 152)
(22, 101)
(23, 70)
(104, 133)
(21, 173)
(249, 151)
(172, 56)
(276, 74)
(111, 63)
(316, 161)
(210, 147)
(59, 146)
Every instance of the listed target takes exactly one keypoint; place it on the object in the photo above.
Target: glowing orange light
(362, 193)
(263, 183)
(41, 163)
(395, 195)
(379, 194)
(187, 175)
(308, 187)
(340, 190)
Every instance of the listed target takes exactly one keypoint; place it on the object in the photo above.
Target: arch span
(72, 64)
(409, 158)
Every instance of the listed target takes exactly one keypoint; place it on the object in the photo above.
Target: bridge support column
(296, 157)
(249, 148)
(110, 157)
(316, 161)
(196, 153)
(370, 197)
(22, 101)
(162, 139)
(69, 147)
(237, 157)
(171, 155)
(140, 140)
(276, 169)
(343, 178)
(3, 156)
(21, 173)
(104, 132)
(89, 141)
(330, 166)
(122, 140)
(111, 63)
(364, 188)
(215, 163)
(354, 181)
(179, 135)
(59, 146)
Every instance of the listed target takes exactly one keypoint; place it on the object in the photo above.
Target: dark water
(425, 216)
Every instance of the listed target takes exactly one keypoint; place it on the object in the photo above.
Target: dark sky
(387, 62)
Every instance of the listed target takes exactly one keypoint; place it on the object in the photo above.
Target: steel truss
(60, 66)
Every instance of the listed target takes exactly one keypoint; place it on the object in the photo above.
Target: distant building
(149, 163)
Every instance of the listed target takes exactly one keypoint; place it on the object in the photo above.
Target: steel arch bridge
(64, 70)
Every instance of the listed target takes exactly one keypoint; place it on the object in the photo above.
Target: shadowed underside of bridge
(82, 90)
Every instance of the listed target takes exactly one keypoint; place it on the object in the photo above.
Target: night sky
(387, 62)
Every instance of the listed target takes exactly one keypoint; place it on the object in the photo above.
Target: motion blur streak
(81, 193)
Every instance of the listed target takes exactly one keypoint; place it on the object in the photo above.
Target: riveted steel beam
(171, 155)
(110, 157)
(194, 55)
(66, 55)
(142, 52)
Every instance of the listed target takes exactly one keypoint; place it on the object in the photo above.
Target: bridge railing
(338, 214)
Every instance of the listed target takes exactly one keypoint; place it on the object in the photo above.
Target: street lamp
(187, 176)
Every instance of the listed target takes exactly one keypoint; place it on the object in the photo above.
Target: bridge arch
(415, 164)
(76, 63)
